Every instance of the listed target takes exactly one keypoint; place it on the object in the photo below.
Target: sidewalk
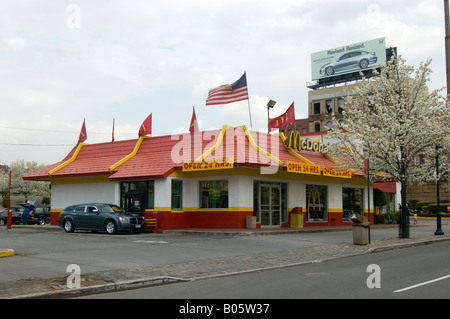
(383, 237)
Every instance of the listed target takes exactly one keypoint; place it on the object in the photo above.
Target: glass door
(270, 205)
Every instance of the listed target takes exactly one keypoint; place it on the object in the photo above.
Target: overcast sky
(65, 61)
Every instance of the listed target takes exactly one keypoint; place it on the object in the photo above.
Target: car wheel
(2, 222)
(41, 221)
(329, 70)
(363, 64)
(68, 226)
(111, 227)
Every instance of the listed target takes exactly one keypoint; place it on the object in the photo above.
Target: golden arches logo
(294, 141)
(315, 196)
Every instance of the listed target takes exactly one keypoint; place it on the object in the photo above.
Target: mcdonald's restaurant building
(227, 178)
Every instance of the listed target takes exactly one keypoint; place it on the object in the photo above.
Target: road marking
(151, 241)
(422, 284)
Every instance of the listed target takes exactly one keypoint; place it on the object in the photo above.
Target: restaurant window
(352, 202)
(214, 194)
(177, 195)
(317, 127)
(329, 106)
(317, 108)
(316, 203)
(137, 196)
(341, 103)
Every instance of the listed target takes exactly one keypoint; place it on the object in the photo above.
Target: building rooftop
(158, 157)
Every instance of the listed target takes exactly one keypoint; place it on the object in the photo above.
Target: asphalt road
(43, 255)
(417, 272)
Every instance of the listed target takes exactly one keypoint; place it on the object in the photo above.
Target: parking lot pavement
(39, 267)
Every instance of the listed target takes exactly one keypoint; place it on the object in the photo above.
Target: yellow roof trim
(250, 139)
(70, 160)
(337, 163)
(126, 158)
(283, 138)
(218, 142)
(259, 149)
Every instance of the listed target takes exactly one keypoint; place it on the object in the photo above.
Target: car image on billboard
(348, 59)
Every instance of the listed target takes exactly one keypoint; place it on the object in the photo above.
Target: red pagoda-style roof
(158, 157)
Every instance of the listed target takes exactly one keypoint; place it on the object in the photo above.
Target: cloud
(125, 60)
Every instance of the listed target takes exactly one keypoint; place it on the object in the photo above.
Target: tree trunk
(403, 229)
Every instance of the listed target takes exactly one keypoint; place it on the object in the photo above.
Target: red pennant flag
(146, 127)
(83, 134)
(194, 126)
(284, 119)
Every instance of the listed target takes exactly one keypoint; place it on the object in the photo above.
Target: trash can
(296, 217)
(360, 229)
(250, 222)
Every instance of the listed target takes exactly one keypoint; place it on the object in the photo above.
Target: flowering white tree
(392, 119)
(29, 189)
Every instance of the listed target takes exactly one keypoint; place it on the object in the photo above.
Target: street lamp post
(438, 213)
(270, 105)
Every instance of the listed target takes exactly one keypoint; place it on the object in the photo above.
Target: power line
(53, 131)
(29, 144)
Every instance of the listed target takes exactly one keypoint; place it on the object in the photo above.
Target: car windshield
(111, 209)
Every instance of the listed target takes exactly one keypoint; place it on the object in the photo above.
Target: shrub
(388, 218)
(379, 219)
(432, 208)
(422, 206)
(392, 217)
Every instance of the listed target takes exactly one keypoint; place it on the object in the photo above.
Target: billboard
(347, 59)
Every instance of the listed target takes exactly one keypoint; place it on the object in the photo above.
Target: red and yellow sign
(333, 172)
(303, 168)
(226, 163)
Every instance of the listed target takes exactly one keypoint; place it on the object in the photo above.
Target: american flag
(229, 93)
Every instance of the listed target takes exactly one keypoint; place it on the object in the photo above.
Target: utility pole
(447, 42)
(447, 46)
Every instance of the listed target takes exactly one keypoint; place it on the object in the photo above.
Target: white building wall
(334, 196)
(162, 192)
(240, 191)
(296, 194)
(69, 194)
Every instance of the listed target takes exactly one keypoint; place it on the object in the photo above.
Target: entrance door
(270, 205)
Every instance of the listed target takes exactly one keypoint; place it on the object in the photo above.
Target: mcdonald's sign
(314, 200)
(294, 141)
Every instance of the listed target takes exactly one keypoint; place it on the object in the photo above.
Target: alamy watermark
(374, 279)
(73, 20)
(244, 147)
(74, 279)
(373, 15)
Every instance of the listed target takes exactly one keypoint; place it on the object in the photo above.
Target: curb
(406, 245)
(4, 252)
(111, 287)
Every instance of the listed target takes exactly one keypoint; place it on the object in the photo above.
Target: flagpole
(248, 101)
(113, 130)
